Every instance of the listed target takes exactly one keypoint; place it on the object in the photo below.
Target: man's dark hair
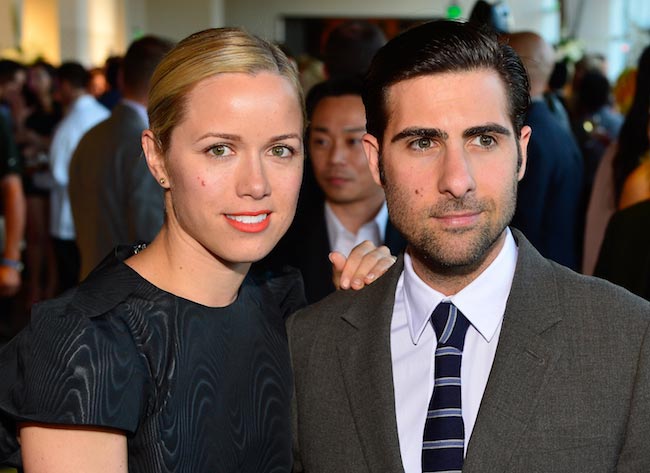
(8, 69)
(594, 92)
(141, 60)
(332, 88)
(74, 74)
(438, 47)
(350, 47)
(112, 67)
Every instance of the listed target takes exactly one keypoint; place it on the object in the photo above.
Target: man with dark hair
(473, 353)
(341, 205)
(550, 195)
(113, 94)
(350, 46)
(115, 199)
(81, 112)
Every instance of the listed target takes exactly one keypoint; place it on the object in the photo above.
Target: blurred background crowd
(73, 183)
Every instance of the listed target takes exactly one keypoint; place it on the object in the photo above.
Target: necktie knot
(450, 325)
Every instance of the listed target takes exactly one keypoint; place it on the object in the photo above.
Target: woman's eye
(281, 151)
(220, 150)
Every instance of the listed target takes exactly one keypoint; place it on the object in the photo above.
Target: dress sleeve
(69, 369)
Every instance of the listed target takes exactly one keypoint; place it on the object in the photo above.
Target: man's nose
(456, 176)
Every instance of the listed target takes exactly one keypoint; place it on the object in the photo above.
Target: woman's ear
(155, 158)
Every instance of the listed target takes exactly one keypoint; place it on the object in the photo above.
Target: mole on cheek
(417, 191)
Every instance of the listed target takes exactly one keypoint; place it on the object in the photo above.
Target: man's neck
(451, 280)
(355, 215)
(137, 98)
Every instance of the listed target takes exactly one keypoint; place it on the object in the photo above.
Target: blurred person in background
(81, 112)
(548, 198)
(114, 198)
(97, 84)
(620, 159)
(350, 47)
(12, 198)
(34, 143)
(596, 125)
(113, 93)
(494, 16)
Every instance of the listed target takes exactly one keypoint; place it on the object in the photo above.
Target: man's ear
(526, 131)
(371, 149)
(155, 159)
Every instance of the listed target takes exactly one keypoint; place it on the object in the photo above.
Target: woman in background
(173, 357)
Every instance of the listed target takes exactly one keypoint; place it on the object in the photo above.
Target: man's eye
(486, 141)
(422, 143)
(319, 142)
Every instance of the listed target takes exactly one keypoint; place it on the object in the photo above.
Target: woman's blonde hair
(202, 55)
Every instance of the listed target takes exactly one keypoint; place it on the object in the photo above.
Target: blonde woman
(172, 357)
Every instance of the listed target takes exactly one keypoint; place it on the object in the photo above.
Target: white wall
(176, 19)
(265, 18)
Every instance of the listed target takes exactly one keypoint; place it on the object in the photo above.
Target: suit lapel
(365, 358)
(522, 365)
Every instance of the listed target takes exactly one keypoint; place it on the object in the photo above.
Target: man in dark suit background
(341, 205)
(553, 371)
(114, 198)
(550, 210)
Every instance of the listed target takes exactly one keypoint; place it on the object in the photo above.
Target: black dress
(196, 389)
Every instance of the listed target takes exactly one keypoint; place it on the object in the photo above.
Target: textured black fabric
(196, 389)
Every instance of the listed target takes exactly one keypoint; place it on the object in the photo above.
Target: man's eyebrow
(419, 133)
(486, 129)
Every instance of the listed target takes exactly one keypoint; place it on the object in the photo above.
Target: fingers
(364, 265)
(338, 263)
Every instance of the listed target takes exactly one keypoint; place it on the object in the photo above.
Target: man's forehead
(472, 97)
(446, 82)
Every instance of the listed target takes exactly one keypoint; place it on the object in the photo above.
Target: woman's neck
(186, 269)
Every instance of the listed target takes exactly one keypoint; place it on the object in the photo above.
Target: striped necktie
(444, 432)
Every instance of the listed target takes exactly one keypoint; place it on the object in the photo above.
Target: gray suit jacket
(569, 389)
(115, 199)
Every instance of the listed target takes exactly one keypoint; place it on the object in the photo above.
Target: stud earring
(162, 181)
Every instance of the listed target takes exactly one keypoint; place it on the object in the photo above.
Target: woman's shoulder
(637, 185)
(78, 361)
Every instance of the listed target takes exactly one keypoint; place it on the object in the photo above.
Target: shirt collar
(138, 107)
(483, 301)
(335, 227)
(82, 101)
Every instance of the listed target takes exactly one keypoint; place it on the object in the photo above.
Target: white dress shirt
(343, 240)
(413, 345)
(85, 113)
